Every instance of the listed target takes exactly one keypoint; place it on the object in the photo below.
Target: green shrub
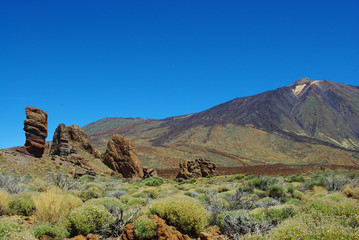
(276, 191)
(87, 218)
(183, 212)
(4, 201)
(152, 181)
(22, 204)
(53, 232)
(112, 204)
(258, 182)
(290, 189)
(296, 178)
(86, 178)
(298, 195)
(13, 228)
(280, 213)
(90, 194)
(304, 226)
(145, 228)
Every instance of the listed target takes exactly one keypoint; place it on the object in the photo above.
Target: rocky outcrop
(194, 169)
(149, 172)
(121, 157)
(70, 140)
(35, 127)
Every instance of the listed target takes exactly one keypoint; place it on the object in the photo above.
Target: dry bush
(4, 201)
(318, 189)
(53, 206)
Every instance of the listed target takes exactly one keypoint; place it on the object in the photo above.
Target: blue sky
(81, 61)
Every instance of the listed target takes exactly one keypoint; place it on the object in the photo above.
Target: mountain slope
(308, 121)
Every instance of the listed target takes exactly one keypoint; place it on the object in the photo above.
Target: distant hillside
(306, 122)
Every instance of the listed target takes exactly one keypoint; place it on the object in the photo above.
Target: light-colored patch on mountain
(298, 89)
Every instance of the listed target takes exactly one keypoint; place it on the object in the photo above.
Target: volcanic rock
(149, 172)
(195, 169)
(35, 127)
(121, 157)
(69, 140)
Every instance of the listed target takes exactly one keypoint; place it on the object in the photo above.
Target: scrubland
(320, 205)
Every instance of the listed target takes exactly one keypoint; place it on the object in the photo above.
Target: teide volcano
(306, 122)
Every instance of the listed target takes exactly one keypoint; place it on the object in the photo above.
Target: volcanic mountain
(306, 122)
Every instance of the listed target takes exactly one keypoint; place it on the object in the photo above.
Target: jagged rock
(88, 237)
(149, 172)
(121, 157)
(68, 140)
(194, 169)
(35, 127)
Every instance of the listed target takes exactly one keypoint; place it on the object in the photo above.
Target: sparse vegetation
(314, 205)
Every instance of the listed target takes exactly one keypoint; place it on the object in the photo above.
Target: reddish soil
(266, 170)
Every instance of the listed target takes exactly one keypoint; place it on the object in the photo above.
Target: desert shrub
(336, 183)
(61, 180)
(4, 201)
(239, 176)
(348, 191)
(113, 205)
(22, 204)
(151, 192)
(185, 213)
(275, 191)
(258, 182)
(215, 205)
(290, 189)
(240, 223)
(86, 178)
(145, 228)
(304, 226)
(152, 181)
(87, 218)
(296, 178)
(294, 202)
(93, 190)
(280, 213)
(316, 181)
(13, 182)
(319, 189)
(356, 193)
(267, 202)
(297, 194)
(13, 228)
(222, 188)
(53, 206)
(117, 193)
(333, 205)
(136, 202)
(54, 232)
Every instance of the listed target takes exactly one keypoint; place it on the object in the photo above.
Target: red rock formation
(149, 172)
(120, 156)
(69, 140)
(195, 169)
(35, 127)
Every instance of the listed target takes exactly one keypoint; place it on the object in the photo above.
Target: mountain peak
(302, 81)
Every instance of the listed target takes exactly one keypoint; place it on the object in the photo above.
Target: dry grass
(4, 201)
(53, 206)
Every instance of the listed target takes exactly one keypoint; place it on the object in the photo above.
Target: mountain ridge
(308, 112)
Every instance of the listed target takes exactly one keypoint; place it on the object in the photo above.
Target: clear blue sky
(81, 61)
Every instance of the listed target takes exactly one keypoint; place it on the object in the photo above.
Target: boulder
(35, 127)
(149, 172)
(70, 140)
(195, 169)
(121, 157)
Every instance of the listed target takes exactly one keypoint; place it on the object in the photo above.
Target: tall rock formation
(35, 127)
(120, 156)
(69, 140)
